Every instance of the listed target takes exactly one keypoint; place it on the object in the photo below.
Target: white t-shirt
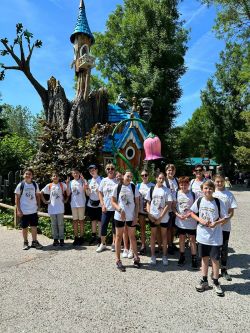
(106, 187)
(94, 193)
(56, 205)
(161, 196)
(143, 190)
(195, 186)
(209, 212)
(126, 201)
(28, 203)
(183, 204)
(229, 201)
(78, 198)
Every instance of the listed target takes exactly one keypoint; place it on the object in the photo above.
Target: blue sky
(53, 21)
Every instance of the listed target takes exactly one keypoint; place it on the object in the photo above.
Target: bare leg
(119, 234)
(133, 243)
(143, 230)
(93, 226)
(204, 266)
(81, 228)
(25, 234)
(164, 237)
(125, 238)
(34, 233)
(152, 240)
(75, 227)
(192, 245)
(215, 267)
(182, 243)
(158, 237)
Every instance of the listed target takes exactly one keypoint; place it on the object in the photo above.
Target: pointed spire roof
(82, 26)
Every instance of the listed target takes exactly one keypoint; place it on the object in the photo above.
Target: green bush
(6, 218)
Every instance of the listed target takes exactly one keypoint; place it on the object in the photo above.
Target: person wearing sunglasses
(106, 188)
(195, 184)
(143, 189)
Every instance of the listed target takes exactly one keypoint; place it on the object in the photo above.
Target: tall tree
(142, 53)
(233, 18)
(225, 97)
(242, 150)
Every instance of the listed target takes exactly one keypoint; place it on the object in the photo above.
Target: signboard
(206, 161)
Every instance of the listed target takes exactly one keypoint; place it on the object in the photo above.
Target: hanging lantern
(152, 147)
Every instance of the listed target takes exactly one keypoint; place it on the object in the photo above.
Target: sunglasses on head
(145, 175)
(109, 169)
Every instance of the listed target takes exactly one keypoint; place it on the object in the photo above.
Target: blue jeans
(106, 217)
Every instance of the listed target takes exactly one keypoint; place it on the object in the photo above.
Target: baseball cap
(92, 166)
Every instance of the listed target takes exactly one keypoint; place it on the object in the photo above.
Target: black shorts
(211, 251)
(191, 232)
(29, 220)
(121, 224)
(162, 225)
(95, 214)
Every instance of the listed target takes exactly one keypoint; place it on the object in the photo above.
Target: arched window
(130, 153)
(84, 50)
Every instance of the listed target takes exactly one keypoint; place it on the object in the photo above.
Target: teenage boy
(171, 182)
(27, 200)
(56, 191)
(229, 200)
(211, 213)
(105, 193)
(76, 188)
(185, 224)
(93, 206)
(195, 184)
(125, 201)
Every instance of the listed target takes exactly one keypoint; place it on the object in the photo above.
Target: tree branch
(22, 51)
(11, 67)
(10, 50)
(30, 54)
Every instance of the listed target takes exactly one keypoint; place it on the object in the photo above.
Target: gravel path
(70, 290)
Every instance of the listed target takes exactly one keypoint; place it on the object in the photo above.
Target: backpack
(192, 182)
(22, 186)
(120, 187)
(167, 182)
(217, 201)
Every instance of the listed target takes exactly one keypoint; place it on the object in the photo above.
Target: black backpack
(217, 201)
(167, 182)
(120, 187)
(22, 186)
(193, 194)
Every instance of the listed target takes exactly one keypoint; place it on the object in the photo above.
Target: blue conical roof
(82, 26)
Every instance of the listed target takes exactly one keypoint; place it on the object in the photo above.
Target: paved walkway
(74, 290)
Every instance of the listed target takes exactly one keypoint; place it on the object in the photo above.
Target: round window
(130, 153)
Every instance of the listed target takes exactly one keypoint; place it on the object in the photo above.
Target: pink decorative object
(152, 147)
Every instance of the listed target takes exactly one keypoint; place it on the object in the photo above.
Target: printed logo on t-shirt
(75, 190)
(29, 194)
(157, 200)
(125, 199)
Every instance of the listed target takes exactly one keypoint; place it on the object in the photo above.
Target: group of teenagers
(198, 211)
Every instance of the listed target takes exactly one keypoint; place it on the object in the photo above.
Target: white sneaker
(125, 253)
(164, 261)
(153, 260)
(101, 248)
(130, 254)
(113, 248)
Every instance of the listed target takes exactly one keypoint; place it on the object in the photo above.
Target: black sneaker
(76, 241)
(195, 265)
(35, 244)
(93, 240)
(137, 263)
(225, 275)
(26, 245)
(55, 243)
(80, 241)
(181, 261)
(61, 242)
(120, 266)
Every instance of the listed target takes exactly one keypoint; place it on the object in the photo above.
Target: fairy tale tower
(82, 39)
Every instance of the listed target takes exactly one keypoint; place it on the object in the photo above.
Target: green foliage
(142, 53)
(15, 151)
(242, 150)
(6, 218)
(224, 98)
(57, 152)
(233, 18)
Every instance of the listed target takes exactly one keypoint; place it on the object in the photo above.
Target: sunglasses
(145, 175)
(198, 170)
(109, 169)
